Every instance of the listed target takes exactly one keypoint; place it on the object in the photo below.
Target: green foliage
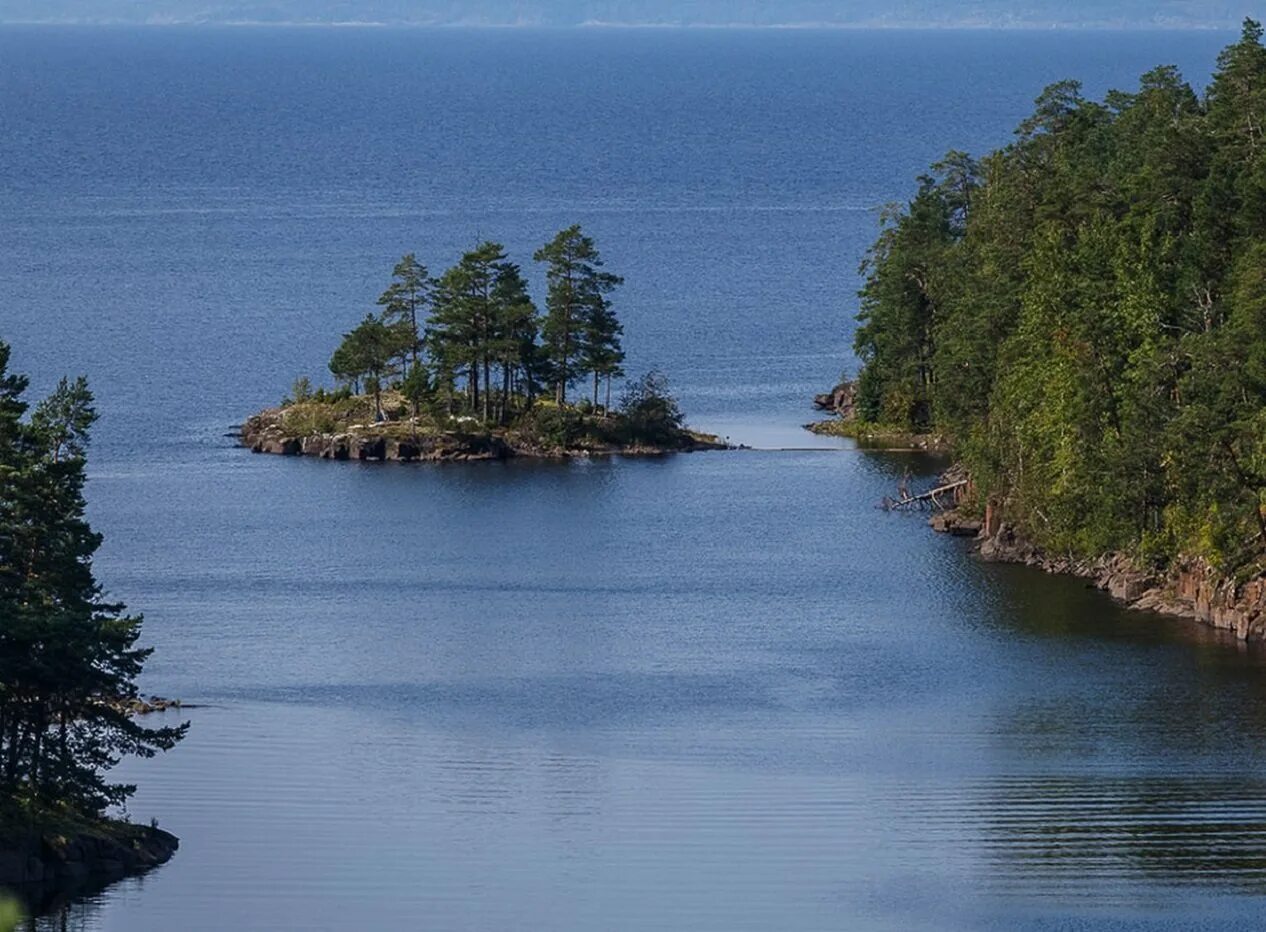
(580, 330)
(555, 427)
(10, 915)
(1083, 313)
(402, 302)
(649, 411)
(301, 391)
(67, 656)
(471, 342)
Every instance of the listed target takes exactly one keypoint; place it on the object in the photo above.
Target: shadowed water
(715, 691)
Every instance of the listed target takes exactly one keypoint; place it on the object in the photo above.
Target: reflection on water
(1079, 833)
(712, 692)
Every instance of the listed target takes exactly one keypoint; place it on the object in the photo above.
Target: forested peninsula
(69, 662)
(1081, 317)
(464, 367)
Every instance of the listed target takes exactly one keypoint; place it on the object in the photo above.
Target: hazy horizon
(1172, 14)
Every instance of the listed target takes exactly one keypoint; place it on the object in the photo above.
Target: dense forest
(1083, 315)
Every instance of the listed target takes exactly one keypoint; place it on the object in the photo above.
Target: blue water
(717, 691)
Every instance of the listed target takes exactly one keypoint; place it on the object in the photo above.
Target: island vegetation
(464, 366)
(1082, 316)
(69, 660)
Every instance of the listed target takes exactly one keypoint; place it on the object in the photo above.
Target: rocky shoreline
(264, 433)
(43, 866)
(1190, 589)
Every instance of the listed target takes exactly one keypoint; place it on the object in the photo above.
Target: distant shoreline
(1035, 27)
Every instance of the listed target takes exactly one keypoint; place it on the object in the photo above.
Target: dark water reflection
(714, 692)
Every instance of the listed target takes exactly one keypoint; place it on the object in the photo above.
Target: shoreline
(48, 864)
(265, 433)
(1189, 589)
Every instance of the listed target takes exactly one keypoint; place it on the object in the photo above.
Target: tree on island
(485, 353)
(576, 308)
(68, 657)
(601, 353)
(649, 408)
(513, 344)
(466, 320)
(365, 356)
(406, 297)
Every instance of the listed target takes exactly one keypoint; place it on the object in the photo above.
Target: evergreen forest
(1082, 316)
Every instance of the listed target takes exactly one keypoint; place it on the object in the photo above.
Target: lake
(715, 691)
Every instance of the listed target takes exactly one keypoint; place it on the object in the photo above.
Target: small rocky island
(463, 366)
(347, 428)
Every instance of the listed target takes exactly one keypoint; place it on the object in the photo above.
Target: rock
(373, 448)
(315, 446)
(842, 400)
(109, 849)
(1190, 588)
(951, 522)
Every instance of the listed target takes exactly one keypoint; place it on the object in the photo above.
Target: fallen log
(930, 499)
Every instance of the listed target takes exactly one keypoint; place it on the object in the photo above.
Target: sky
(1035, 13)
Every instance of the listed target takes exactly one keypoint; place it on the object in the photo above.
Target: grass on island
(869, 433)
(59, 822)
(650, 420)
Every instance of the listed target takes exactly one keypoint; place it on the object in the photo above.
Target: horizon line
(865, 26)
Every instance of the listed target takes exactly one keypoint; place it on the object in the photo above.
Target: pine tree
(365, 355)
(463, 324)
(68, 657)
(404, 300)
(601, 352)
(577, 293)
(515, 328)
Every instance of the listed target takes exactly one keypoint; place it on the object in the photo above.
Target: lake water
(710, 692)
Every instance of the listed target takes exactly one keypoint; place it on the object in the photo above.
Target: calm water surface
(715, 692)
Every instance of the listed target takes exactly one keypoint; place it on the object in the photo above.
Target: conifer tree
(601, 352)
(1083, 315)
(365, 355)
(463, 326)
(404, 300)
(68, 657)
(577, 295)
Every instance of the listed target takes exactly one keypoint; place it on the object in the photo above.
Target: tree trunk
(413, 322)
(561, 392)
(505, 392)
(487, 389)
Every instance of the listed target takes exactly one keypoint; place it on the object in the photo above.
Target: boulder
(842, 400)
